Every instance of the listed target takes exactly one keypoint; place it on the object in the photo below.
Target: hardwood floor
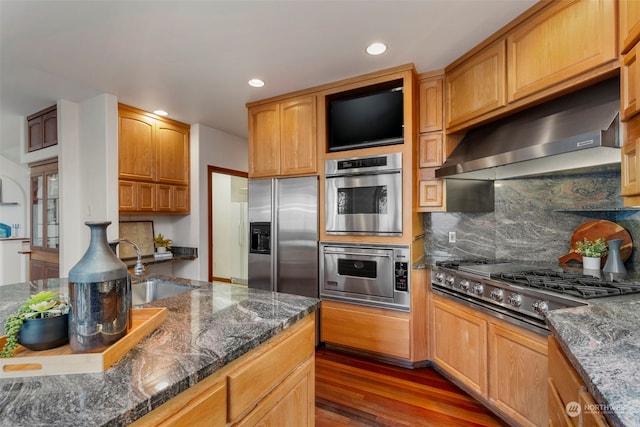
(353, 391)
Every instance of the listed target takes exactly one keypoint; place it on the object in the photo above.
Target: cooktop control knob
(439, 277)
(497, 295)
(464, 284)
(449, 280)
(515, 300)
(540, 306)
(477, 288)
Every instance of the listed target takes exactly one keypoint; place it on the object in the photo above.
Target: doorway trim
(210, 171)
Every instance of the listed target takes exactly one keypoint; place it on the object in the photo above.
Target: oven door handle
(364, 173)
(327, 251)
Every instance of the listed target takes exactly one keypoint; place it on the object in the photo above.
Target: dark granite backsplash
(534, 219)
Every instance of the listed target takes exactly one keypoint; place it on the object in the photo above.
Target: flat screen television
(367, 117)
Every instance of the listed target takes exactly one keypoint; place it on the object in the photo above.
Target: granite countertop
(177, 253)
(602, 342)
(205, 330)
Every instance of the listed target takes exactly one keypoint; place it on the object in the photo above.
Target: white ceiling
(194, 58)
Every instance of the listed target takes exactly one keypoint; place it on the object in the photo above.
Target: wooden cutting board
(599, 228)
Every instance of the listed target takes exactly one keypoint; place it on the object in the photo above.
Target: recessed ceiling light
(161, 113)
(256, 83)
(376, 48)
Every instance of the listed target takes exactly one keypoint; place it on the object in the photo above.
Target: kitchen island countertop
(205, 330)
(602, 342)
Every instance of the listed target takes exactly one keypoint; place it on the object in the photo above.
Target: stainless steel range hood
(575, 131)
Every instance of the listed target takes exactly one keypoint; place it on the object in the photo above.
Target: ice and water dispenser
(260, 237)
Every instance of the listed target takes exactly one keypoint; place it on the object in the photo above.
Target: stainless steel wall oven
(376, 275)
(364, 195)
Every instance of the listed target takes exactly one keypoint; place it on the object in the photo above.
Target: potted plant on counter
(592, 251)
(42, 322)
(162, 244)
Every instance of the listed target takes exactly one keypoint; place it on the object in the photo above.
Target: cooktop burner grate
(578, 285)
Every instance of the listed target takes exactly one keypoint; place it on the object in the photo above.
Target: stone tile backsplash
(534, 219)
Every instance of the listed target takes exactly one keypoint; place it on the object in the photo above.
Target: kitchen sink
(154, 289)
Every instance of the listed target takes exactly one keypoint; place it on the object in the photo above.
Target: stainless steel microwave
(363, 195)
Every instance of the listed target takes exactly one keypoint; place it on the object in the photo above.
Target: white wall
(208, 147)
(88, 166)
(15, 188)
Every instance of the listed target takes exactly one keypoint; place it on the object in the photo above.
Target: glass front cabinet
(45, 220)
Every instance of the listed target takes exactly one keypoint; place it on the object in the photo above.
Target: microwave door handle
(359, 254)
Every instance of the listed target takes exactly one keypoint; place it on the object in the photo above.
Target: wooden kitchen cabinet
(272, 385)
(172, 153)
(45, 220)
(569, 39)
(430, 150)
(552, 49)
(503, 365)
(630, 85)
(431, 92)
(136, 145)
(282, 138)
(459, 343)
(477, 86)
(431, 195)
(375, 330)
(518, 373)
(153, 159)
(629, 18)
(565, 386)
(136, 196)
(630, 172)
(431, 142)
(291, 403)
(42, 129)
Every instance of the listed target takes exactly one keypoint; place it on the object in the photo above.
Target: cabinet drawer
(258, 377)
(292, 403)
(372, 329)
(203, 405)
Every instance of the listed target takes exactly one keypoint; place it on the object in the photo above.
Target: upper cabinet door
(567, 40)
(136, 152)
(629, 24)
(430, 108)
(298, 136)
(172, 151)
(477, 86)
(264, 140)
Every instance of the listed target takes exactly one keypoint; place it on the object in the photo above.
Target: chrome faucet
(138, 270)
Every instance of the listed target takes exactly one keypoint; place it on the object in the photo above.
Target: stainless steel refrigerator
(283, 230)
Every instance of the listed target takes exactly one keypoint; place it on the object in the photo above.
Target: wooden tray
(61, 361)
(599, 228)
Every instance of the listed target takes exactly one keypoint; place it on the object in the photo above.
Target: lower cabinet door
(518, 374)
(557, 411)
(460, 343)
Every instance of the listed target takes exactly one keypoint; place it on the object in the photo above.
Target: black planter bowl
(46, 333)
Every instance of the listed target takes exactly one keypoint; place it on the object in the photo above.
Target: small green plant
(38, 306)
(593, 249)
(161, 242)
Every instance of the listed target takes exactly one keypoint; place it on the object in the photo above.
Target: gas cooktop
(542, 276)
(578, 285)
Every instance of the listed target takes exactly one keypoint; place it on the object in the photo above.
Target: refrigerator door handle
(274, 235)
